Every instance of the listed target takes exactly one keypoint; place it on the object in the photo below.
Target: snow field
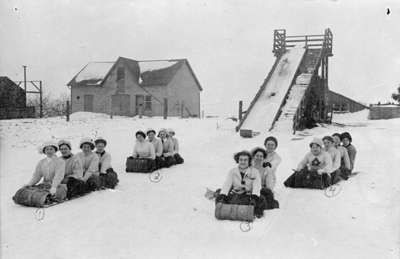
(172, 219)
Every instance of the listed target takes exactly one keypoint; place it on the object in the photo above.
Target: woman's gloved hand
(221, 198)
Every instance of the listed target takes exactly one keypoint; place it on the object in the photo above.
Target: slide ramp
(267, 103)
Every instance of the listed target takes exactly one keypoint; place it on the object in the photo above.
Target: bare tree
(396, 96)
(51, 106)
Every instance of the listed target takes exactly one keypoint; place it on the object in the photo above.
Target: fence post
(182, 109)
(240, 110)
(165, 113)
(67, 110)
(140, 111)
(41, 100)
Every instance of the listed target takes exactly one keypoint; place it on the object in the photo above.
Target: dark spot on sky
(387, 11)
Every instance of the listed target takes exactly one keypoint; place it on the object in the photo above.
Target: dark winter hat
(346, 135)
(87, 141)
(64, 142)
(259, 149)
(100, 140)
(139, 132)
(150, 130)
(242, 153)
(329, 138)
(270, 138)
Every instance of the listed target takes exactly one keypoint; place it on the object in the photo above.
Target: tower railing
(312, 41)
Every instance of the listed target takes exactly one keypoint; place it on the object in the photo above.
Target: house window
(121, 80)
(147, 102)
(120, 73)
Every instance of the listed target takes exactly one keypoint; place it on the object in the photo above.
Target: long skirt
(308, 179)
(109, 179)
(178, 159)
(268, 195)
(75, 187)
(169, 161)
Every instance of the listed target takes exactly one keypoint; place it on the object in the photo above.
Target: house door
(139, 107)
(120, 104)
(88, 103)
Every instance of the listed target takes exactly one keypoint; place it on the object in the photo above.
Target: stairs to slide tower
(286, 91)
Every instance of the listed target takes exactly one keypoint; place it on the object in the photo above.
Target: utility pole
(24, 78)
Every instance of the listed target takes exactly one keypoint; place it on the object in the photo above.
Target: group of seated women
(161, 151)
(329, 161)
(71, 174)
(253, 180)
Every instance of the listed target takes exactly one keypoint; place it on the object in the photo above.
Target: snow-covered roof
(158, 72)
(94, 72)
(146, 66)
(150, 72)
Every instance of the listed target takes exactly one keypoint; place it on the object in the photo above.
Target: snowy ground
(172, 219)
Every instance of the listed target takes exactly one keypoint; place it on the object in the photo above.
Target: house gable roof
(92, 74)
(345, 97)
(148, 72)
(7, 83)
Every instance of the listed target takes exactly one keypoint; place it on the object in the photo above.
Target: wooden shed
(13, 101)
(341, 103)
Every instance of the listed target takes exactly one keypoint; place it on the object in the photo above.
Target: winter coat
(52, 171)
(265, 178)
(104, 162)
(267, 174)
(144, 149)
(73, 168)
(90, 164)
(344, 155)
(321, 163)
(351, 150)
(158, 148)
(175, 146)
(335, 156)
(274, 159)
(252, 182)
(168, 147)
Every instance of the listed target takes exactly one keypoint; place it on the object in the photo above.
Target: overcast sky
(228, 43)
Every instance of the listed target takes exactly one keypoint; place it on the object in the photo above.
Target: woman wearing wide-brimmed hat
(168, 148)
(51, 170)
(73, 177)
(90, 164)
(175, 146)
